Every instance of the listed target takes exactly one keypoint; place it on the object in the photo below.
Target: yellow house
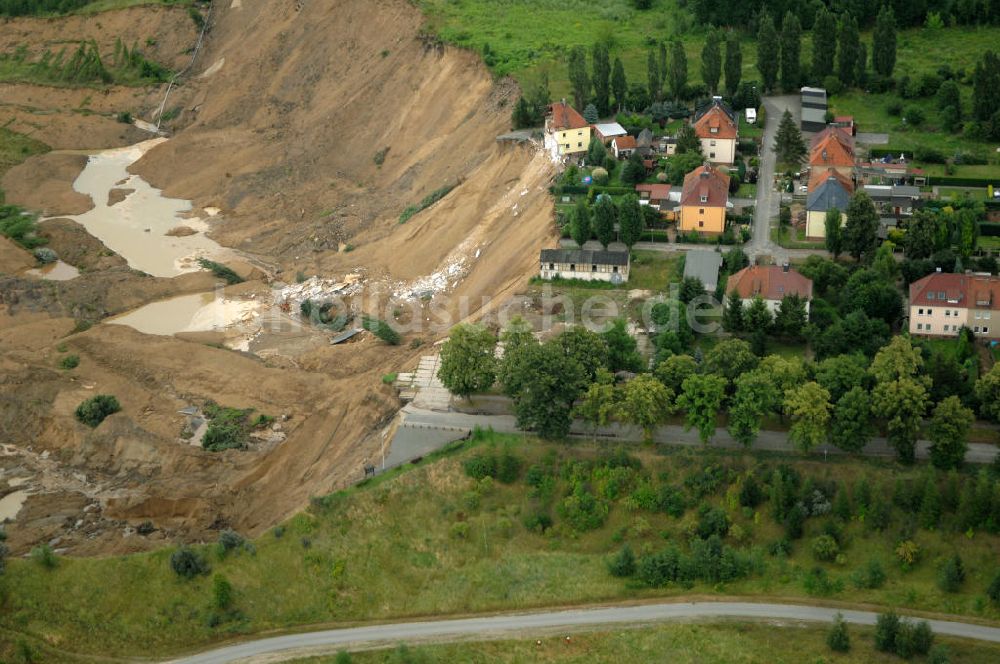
(704, 201)
(566, 131)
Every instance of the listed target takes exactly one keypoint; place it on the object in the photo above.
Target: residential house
(703, 264)
(654, 195)
(623, 146)
(827, 190)
(668, 145)
(896, 201)
(585, 264)
(846, 122)
(567, 133)
(607, 131)
(941, 304)
(772, 283)
(814, 108)
(704, 201)
(833, 148)
(644, 143)
(717, 127)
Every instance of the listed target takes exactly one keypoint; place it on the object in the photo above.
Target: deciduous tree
(851, 429)
(988, 394)
(468, 360)
(848, 50)
(884, 42)
(605, 216)
(834, 232)
(646, 403)
(673, 370)
(623, 353)
(734, 63)
(630, 220)
(730, 359)
(809, 408)
(711, 60)
(677, 72)
(791, 52)
(755, 396)
(602, 77)
(861, 231)
(949, 432)
(579, 225)
(701, 398)
(824, 43)
(579, 80)
(619, 84)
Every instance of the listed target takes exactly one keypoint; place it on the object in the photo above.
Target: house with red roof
(655, 195)
(832, 148)
(704, 201)
(567, 133)
(717, 127)
(941, 304)
(771, 283)
(623, 146)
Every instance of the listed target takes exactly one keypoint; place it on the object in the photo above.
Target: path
(521, 624)
(768, 200)
(461, 424)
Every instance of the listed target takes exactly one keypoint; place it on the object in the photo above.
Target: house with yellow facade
(567, 133)
(704, 201)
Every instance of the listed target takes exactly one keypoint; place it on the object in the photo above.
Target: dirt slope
(282, 136)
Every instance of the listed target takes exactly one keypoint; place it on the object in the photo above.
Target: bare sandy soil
(281, 138)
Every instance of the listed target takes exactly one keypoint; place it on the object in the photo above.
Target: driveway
(520, 625)
(768, 200)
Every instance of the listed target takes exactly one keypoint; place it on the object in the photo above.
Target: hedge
(989, 229)
(569, 189)
(949, 181)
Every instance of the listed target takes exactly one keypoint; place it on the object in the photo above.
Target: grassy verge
(719, 643)
(654, 270)
(794, 238)
(433, 541)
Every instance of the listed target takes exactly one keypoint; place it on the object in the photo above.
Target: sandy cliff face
(281, 133)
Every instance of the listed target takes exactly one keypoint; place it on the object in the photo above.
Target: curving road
(520, 624)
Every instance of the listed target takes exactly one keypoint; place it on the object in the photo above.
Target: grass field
(794, 238)
(15, 148)
(654, 270)
(107, 5)
(722, 643)
(432, 541)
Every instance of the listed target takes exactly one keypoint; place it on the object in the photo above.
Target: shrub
(952, 574)
(70, 362)
(818, 582)
(712, 521)
(221, 271)
(908, 553)
(825, 548)
(838, 639)
(623, 564)
(914, 115)
(45, 556)
(894, 108)
(382, 330)
(188, 563)
(379, 157)
(583, 510)
(427, 201)
(993, 591)
(538, 522)
(124, 117)
(886, 629)
(600, 176)
(19, 227)
(94, 410)
(459, 530)
(870, 577)
(230, 540)
(222, 592)
(480, 466)
(508, 468)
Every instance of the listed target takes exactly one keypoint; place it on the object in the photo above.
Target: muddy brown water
(201, 312)
(57, 271)
(136, 227)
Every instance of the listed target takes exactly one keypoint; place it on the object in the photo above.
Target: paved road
(768, 200)
(771, 441)
(518, 625)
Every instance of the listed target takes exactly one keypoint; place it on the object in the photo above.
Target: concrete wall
(724, 150)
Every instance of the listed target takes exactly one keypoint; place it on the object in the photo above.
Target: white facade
(719, 150)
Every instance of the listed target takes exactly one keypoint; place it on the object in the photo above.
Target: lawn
(747, 190)
(654, 270)
(958, 193)
(678, 643)
(429, 540)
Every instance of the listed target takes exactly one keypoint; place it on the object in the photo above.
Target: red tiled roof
(831, 151)
(819, 176)
(705, 186)
(771, 282)
(840, 133)
(657, 192)
(970, 291)
(718, 119)
(624, 142)
(565, 117)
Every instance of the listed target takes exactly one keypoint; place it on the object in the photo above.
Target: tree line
(911, 13)
(843, 399)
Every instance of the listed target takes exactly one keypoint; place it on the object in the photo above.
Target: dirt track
(282, 137)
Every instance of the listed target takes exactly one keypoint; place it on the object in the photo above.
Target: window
(701, 210)
(593, 268)
(979, 315)
(941, 295)
(928, 327)
(579, 145)
(930, 296)
(572, 267)
(701, 224)
(986, 315)
(715, 130)
(976, 329)
(615, 269)
(552, 266)
(920, 326)
(920, 312)
(704, 199)
(986, 330)
(930, 311)
(711, 143)
(711, 155)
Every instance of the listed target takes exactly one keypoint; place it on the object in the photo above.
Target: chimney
(785, 267)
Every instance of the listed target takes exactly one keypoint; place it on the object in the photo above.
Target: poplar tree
(653, 76)
(619, 84)
(677, 70)
(884, 42)
(579, 80)
(711, 60)
(602, 78)
(734, 63)
(824, 43)
(848, 50)
(767, 52)
(791, 51)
